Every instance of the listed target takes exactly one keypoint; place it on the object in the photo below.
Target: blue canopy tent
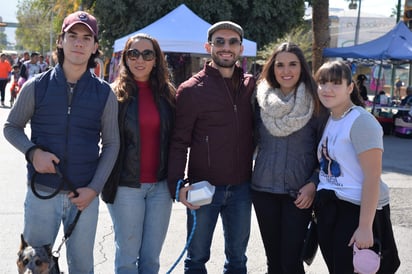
(394, 45)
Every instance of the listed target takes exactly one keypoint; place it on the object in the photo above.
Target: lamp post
(352, 6)
(51, 33)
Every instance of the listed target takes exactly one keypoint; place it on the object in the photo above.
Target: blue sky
(8, 13)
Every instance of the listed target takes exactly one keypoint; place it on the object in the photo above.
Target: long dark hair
(60, 53)
(305, 75)
(335, 72)
(159, 79)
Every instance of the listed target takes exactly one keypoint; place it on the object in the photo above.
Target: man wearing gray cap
(71, 112)
(214, 118)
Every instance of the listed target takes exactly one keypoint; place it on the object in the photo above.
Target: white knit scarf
(282, 116)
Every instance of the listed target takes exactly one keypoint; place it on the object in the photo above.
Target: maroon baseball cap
(81, 17)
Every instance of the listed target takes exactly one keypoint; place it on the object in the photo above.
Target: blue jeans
(140, 218)
(233, 203)
(42, 220)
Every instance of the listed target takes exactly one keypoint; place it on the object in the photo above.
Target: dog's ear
(23, 243)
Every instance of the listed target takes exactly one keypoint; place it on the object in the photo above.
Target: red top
(5, 69)
(149, 123)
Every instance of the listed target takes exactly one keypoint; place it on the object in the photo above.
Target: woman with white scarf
(289, 125)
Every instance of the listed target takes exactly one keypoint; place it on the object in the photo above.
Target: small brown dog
(36, 260)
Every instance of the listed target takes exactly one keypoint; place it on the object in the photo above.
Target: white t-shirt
(342, 141)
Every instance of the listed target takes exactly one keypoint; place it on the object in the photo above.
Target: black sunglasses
(147, 54)
(219, 42)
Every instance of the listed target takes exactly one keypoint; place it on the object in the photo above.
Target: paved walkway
(397, 173)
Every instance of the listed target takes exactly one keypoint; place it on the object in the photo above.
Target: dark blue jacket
(70, 130)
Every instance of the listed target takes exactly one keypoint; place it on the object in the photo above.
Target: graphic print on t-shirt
(329, 168)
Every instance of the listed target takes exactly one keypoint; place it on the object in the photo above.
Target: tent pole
(394, 67)
(410, 74)
(377, 86)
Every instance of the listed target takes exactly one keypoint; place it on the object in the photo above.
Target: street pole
(51, 40)
(358, 23)
(395, 66)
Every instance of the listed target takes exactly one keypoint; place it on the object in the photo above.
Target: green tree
(394, 11)
(3, 40)
(301, 35)
(34, 27)
(266, 21)
(40, 22)
(263, 20)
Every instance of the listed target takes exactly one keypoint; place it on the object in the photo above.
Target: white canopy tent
(181, 30)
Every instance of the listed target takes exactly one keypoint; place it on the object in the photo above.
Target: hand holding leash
(83, 197)
(43, 157)
(44, 161)
(55, 170)
(204, 192)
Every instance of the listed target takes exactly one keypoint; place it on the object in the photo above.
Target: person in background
(382, 98)
(407, 100)
(5, 70)
(74, 129)
(352, 206)
(14, 86)
(360, 81)
(398, 86)
(137, 193)
(29, 68)
(24, 58)
(290, 120)
(214, 119)
(42, 64)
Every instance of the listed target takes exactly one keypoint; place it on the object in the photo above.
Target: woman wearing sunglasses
(137, 194)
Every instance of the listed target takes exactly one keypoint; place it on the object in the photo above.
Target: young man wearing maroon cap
(70, 112)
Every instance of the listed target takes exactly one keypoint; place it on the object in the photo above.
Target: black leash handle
(58, 189)
(69, 231)
(64, 180)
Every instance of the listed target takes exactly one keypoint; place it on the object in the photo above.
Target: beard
(224, 63)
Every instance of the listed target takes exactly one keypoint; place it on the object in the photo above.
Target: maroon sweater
(217, 125)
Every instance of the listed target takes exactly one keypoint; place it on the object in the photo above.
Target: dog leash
(64, 180)
(58, 189)
(192, 232)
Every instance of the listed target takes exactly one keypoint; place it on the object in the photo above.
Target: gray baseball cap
(224, 25)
